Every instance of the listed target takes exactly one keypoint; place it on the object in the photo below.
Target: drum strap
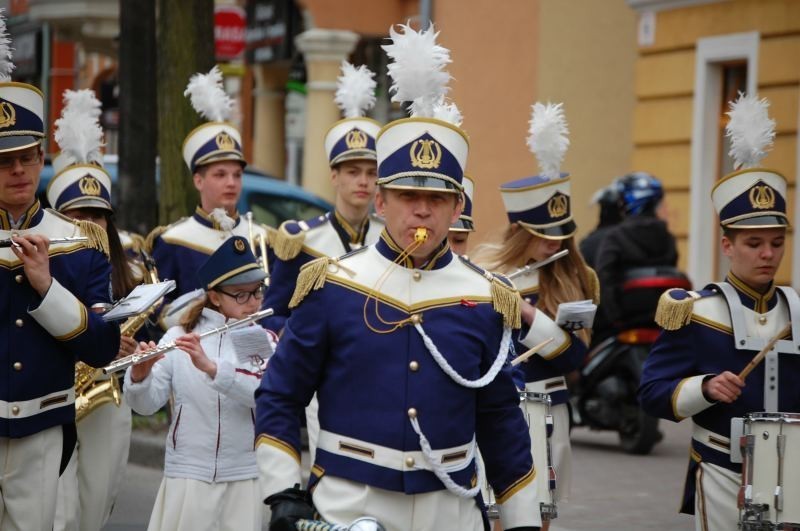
(745, 342)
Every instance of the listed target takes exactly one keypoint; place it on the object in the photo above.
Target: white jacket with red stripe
(211, 435)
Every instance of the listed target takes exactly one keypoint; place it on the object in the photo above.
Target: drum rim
(531, 396)
(763, 416)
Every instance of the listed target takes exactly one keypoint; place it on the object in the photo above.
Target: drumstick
(760, 356)
(528, 353)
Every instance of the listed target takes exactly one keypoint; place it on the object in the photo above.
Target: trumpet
(258, 242)
(123, 363)
(8, 242)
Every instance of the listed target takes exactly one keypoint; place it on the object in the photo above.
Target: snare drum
(769, 497)
(536, 407)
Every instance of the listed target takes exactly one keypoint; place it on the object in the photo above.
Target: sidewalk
(147, 448)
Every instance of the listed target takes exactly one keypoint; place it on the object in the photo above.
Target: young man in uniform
(50, 293)
(711, 335)
(213, 153)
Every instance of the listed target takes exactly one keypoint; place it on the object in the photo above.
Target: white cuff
(521, 507)
(278, 466)
(688, 399)
(61, 313)
(544, 328)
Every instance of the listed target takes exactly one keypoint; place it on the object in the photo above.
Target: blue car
(271, 200)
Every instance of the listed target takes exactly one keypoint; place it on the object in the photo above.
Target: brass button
(410, 462)
(762, 320)
(15, 410)
(414, 366)
(416, 318)
(417, 275)
(412, 413)
(18, 278)
(17, 366)
(19, 323)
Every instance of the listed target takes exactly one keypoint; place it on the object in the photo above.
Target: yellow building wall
(508, 55)
(664, 90)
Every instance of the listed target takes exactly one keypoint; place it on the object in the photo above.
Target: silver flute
(70, 239)
(530, 268)
(123, 363)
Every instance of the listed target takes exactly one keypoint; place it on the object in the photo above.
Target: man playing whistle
(405, 344)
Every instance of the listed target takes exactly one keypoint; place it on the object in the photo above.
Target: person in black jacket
(608, 200)
(641, 239)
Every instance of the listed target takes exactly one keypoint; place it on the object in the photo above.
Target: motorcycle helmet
(609, 202)
(639, 193)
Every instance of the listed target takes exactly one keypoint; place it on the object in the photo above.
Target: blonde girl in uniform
(541, 225)
(210, 474)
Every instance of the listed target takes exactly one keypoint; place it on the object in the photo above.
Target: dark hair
(122, 281)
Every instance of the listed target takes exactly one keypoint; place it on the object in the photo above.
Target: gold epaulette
(285, 244)
(672, 313)
(138, 242)
(150, 240)
(594, 285)
(506, 301)
(312, 276)
(98, 238)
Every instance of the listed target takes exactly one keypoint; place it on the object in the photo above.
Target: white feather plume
(355, 91)
(548, 137)
(448, 112)
(417, 70)
(208, 97)
(78, 131)
(750, 130)
(222, 218)
(6, 66)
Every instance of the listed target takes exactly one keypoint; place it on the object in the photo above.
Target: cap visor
(556, 232)
(462, 225)
(13, 143)
(420, 182)
(246, 277)
(759, 222)
(359, 154)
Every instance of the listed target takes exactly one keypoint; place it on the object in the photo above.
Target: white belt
(29, 408)
(452, 459)
(712, 440)
(550, 385)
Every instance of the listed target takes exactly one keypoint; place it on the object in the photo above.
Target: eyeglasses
(244, 296)
(26, 159)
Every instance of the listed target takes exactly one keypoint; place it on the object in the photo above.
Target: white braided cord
(484, 380)
(442, 472)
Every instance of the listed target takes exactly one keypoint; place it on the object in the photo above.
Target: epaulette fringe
(150, 240)
(98, 239)
(673, 314)
(507, 302)
(138, 242)
(312, 276)
(286, 245)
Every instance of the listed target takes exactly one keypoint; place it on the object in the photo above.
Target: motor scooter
(603, 396)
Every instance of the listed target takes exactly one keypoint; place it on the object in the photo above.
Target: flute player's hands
(140, 371)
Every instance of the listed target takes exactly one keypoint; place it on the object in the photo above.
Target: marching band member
(405, 344)
(711, 335)
(210, 474)
(540, 225)
(350, 147)
(82, 190)
(213, 153)
(459, 231)
(49, 291)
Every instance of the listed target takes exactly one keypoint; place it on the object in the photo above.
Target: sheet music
(140, 299)
(576, 315)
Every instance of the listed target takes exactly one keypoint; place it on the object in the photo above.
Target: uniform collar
(387, 247)
(759, 303)
(213, 318)
(31, 217)
(205, 219)
(356, 234)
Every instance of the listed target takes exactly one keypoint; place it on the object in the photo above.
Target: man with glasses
(50, 290)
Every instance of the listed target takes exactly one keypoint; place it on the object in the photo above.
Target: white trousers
(192, 505)
(88, 487)
(560, 450)
(28, 480)
(715, 507)
(341, 501)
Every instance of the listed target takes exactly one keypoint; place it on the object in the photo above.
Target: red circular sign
(230, 23)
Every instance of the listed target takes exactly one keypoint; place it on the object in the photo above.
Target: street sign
(230, 23)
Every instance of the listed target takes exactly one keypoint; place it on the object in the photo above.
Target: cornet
(123, 363)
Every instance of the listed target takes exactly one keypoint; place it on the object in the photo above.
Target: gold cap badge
(356, 139)
(88, 185)
(557, 206)
(426, 154)
(8, 115)
(762, 197)
(239, 246)
(225, 141)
